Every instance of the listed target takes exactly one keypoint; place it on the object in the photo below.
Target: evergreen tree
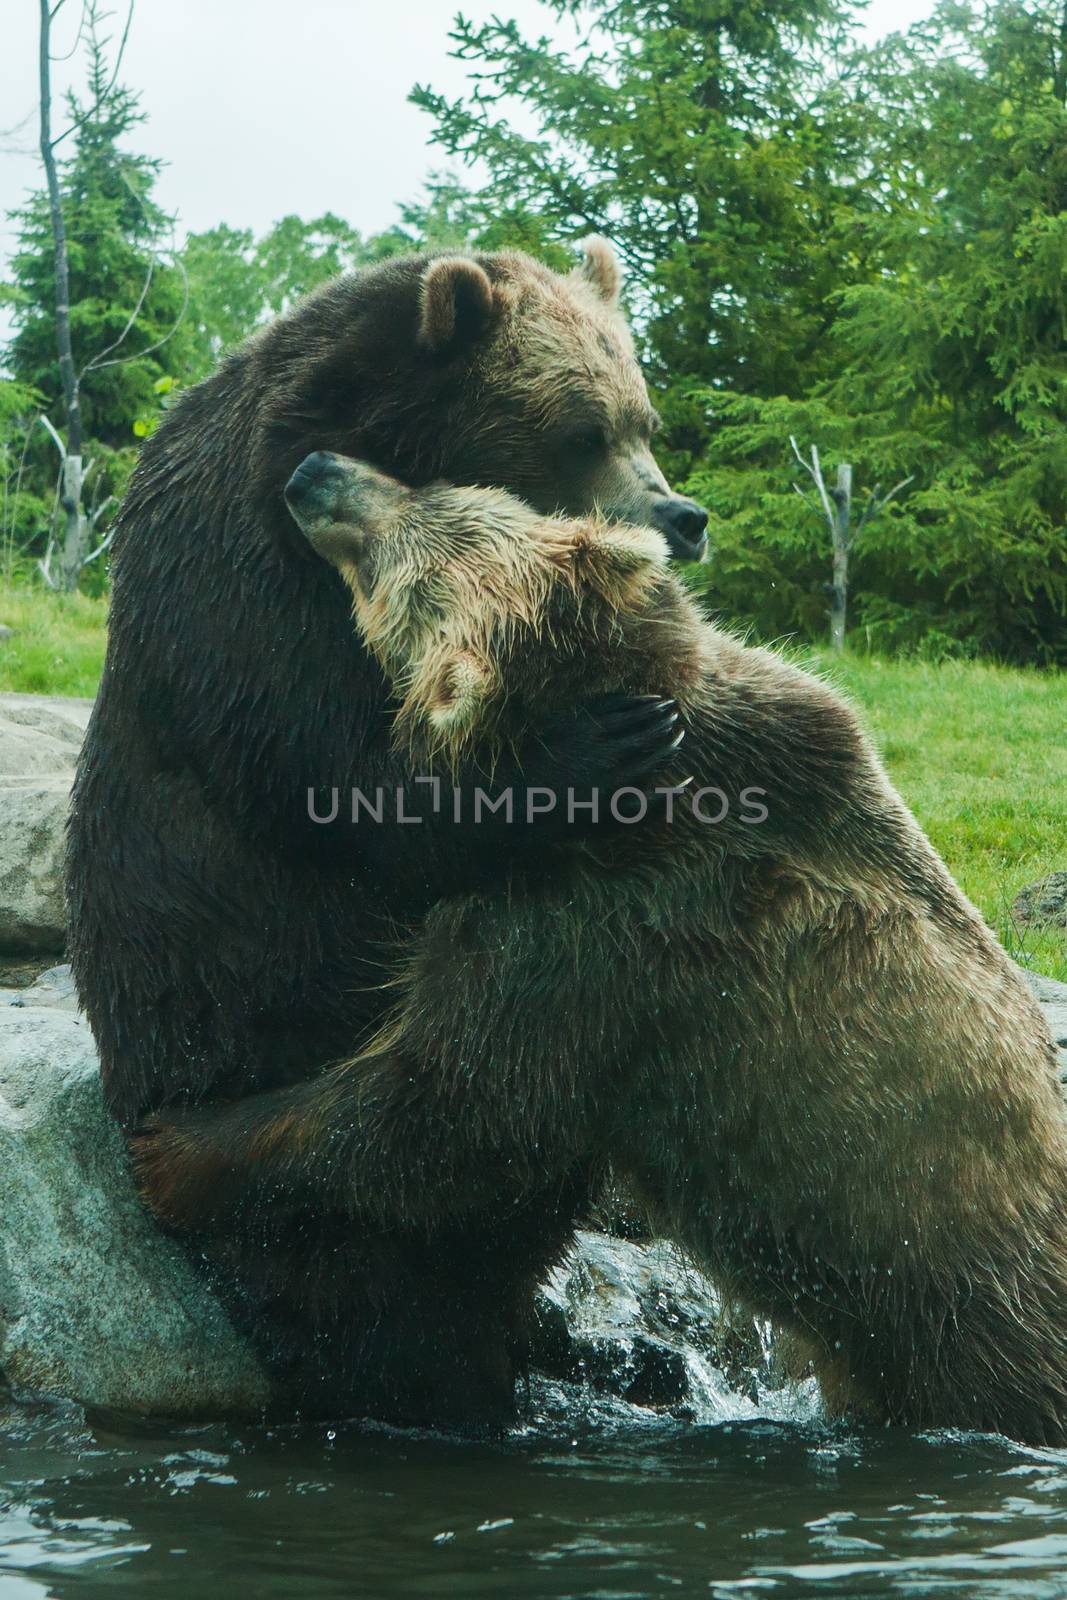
(88, 247)
(947, 360)
(124, 299)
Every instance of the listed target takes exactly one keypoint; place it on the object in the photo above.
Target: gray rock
(1053, 998)
(33, 814)
(95, 1304)
(1042, 904)
(41, 733)
(40, 736)
(6, 632)
(52, 988)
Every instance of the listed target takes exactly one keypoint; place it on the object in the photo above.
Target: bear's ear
(455, 303)
(600, 268)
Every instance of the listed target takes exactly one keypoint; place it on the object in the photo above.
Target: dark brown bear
(778, 1016)
(224, 942)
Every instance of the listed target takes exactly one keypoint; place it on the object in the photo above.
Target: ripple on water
(591, 1497)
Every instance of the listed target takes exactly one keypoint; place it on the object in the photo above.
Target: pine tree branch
(97, 364)
(91, 18)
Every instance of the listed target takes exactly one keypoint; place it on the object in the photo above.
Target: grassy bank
(980, 754)
(58, 644)
(978, 751)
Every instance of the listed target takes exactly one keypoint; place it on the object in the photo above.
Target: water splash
(638, 1323)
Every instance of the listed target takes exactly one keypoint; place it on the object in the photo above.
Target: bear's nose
(685, 525)
(317, 479)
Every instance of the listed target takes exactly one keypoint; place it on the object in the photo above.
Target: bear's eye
(589, 440)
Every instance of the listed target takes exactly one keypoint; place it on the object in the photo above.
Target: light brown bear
(776, 1014)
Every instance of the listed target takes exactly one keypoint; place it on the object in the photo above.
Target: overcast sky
(263, 107)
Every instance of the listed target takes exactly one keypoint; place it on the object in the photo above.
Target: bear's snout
(317, 483)
(340, 504)
(685, 525)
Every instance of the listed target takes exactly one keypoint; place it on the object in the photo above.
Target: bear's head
(482, 369)
(482, 611)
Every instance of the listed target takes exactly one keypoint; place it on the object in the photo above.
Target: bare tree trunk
(76, 530)
(1059, 82)
(837, 508)
(841, 495)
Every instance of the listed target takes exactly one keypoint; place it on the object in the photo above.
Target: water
(592, 1498)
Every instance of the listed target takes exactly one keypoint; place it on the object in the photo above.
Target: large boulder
(1042, 904)
(40, 737)
(95, 1305)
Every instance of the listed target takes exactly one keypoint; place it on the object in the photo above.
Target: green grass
(978, 751)
(58, 645)
(980, 754)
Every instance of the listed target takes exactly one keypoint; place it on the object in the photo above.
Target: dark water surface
(592, 1499)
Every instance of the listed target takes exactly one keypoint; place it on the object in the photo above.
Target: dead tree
(837, 507)
(66, 557)
(74, 535)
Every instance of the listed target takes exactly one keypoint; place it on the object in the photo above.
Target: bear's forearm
(464, 1099)
(377, 1138)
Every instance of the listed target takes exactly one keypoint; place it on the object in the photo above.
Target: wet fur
(797, 1039)
(224, 945)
